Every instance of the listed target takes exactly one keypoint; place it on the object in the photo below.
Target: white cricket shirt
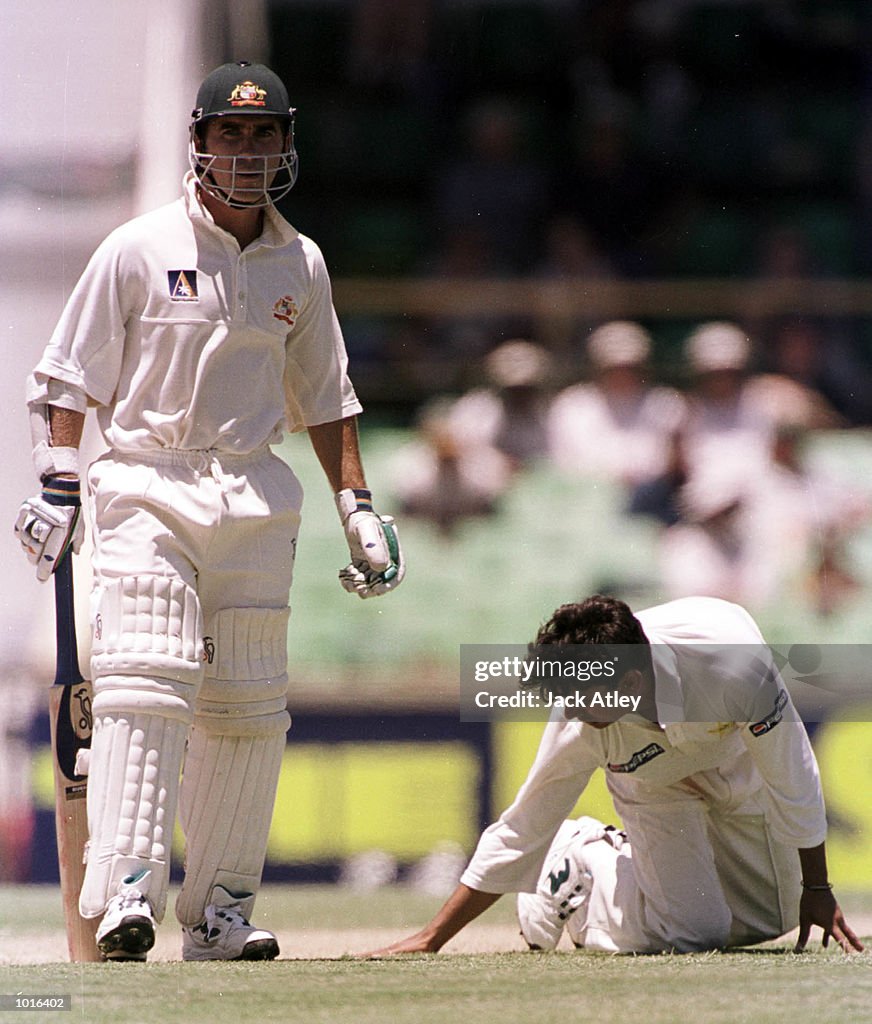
(184, 342)
(700, 648)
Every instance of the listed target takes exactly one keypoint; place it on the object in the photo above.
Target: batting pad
(234, 757)
(226, 806)
(137, 746)
(247, 643)
(147, 625)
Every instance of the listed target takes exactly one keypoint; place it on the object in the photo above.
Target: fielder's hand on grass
(377, 564)
(51, 523)
(413, 944)
(819, 907)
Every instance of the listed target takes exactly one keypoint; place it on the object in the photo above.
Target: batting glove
(377, 564)
(50, 524)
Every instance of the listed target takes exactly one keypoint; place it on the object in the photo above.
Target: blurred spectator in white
(705, 553)
(617, 425)
(763, 536)
(726, 428)
(800, 521)
(445, 476)
(510, 412)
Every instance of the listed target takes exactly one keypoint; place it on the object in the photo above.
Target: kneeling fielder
(715, 805)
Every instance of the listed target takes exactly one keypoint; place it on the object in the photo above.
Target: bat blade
(71, 722)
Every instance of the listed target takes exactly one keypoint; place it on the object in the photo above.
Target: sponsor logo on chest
(640, 757)
(183, 285)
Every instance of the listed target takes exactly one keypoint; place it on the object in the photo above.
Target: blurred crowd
(587, 144)
(585, 141)
(720, 464)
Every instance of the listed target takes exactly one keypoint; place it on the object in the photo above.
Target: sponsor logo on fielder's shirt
(183, 285)
(286, 309)
(638, 759)
(772, 719)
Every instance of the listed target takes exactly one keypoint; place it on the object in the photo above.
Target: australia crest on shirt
(286, 310)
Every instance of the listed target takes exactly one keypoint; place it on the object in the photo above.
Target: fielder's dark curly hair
(602, 629)
(597, 620)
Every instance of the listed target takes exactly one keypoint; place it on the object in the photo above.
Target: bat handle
(67, 667)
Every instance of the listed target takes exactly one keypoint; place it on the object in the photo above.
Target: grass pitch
(486, 978)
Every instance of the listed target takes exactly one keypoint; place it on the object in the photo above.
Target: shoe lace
(130, 898)
(218, 920)
(234, 917)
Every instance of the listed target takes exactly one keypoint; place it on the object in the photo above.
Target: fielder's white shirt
(184, 342)
(704, 749)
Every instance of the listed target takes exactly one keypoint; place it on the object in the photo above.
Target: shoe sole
(132, 939)
(260, 949)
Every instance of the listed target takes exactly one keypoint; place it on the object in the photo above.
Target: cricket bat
(71, 721)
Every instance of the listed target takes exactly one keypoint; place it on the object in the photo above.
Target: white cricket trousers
(691, 877)
(224, 524)
(187, 543)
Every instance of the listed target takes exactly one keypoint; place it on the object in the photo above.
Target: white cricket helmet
(250, 90)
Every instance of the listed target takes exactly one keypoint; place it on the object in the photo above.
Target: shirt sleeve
(86, 348)
(316, 382)
(781, 750)
(511, 851)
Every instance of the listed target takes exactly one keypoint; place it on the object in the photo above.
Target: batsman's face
(248, 154)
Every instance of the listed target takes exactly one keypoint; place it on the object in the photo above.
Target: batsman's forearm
(464, 905)
(337, 448)
(67, 426)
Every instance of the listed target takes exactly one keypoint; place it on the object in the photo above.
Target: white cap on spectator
(619, 343)
(518, 363)
(718, 346)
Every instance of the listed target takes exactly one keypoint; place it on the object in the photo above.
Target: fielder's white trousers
(691, 877)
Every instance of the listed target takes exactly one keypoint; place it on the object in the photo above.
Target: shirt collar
(276, 230)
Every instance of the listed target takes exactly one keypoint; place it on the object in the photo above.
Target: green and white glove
(377, 564)
(51, 523)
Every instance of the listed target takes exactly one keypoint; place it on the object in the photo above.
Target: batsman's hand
(377, 565)
(49, 524)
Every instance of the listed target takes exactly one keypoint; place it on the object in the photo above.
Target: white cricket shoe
(127, 929)
(564, 884)
(225, 934)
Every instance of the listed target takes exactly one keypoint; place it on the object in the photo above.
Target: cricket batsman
(715, 781)
(200, 332)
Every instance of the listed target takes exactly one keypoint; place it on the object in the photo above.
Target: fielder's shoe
(564, 884)
(127, 929)
(225, 934)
